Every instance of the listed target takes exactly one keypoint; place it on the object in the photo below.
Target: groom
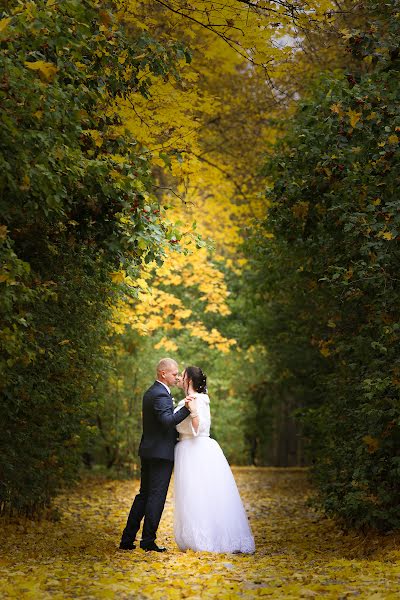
(156, 453)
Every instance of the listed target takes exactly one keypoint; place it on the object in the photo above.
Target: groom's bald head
(167, 371)
(166, 364)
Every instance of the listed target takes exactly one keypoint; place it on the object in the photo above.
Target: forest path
(300, 554)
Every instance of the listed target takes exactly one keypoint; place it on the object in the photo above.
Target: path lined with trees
(137, 140)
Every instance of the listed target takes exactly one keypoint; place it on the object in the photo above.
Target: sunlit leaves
(118, 276)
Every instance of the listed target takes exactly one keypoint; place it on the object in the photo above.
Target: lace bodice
(185, 428)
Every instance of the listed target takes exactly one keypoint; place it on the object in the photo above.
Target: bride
(209, 514)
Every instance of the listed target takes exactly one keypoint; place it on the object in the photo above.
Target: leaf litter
(299, 552)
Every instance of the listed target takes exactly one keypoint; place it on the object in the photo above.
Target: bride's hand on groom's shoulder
(190, 403)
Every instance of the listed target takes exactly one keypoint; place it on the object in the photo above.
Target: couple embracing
(208, 515)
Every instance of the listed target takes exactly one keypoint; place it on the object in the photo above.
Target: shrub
(327, 273)
(75, 191)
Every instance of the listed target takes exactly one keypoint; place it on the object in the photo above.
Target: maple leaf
(96, 137)
(393, 139)
(325, 351)
(142, 283)
(336, 108)
(346, 34)
(4, 23)
(354, 117)
(371, 443)
(118, 276)
(46, 70)
(3, 232)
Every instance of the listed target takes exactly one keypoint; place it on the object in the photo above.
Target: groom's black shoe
(152, 547)
(125, 546)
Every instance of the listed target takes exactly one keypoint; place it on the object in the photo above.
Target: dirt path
(299, 553)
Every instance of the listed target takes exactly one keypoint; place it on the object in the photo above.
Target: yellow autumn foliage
(354, 117)
(45, 69)
(4, 23)
(208, 134)
(299, 553)
(160, 310)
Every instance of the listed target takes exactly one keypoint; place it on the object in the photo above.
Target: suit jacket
(159, 420)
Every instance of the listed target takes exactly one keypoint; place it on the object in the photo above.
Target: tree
(239, 86)
(73, 205)
(329, 267)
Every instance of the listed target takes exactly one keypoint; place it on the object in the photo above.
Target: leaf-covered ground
(299, 554)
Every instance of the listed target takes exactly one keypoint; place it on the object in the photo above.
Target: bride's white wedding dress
(209, 514)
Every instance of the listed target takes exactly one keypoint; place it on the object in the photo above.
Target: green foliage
(117, 417)
(118, 414)
(75, 192)
(328, 279)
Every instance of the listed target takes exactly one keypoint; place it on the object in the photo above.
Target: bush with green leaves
(326, 283)
(75, 205)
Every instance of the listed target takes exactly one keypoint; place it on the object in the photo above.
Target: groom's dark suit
(156, 453)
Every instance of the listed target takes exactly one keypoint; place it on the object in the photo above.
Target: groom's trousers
(149, 502)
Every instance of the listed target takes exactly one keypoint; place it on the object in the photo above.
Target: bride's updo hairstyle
(198, 379)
